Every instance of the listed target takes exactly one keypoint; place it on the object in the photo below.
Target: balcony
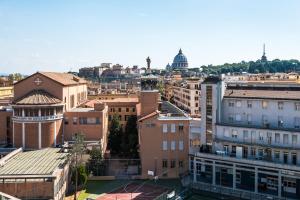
(255, 142)
(266, 126)
(263, 162)
(37, 119)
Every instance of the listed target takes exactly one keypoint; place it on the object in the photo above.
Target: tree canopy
(258, 66)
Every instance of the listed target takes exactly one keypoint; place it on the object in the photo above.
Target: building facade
(46, 112)
(163, 135)
(186, 96)
(250, 139)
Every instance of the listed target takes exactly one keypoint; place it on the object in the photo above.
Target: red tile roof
(37, 97)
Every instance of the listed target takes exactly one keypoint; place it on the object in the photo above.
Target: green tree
(95, 164)
(115, 134)
(131, 133)
(77, 150)
(81, 176)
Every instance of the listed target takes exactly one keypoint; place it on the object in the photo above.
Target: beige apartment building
(186, 95)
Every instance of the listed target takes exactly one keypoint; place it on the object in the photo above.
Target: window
(180, 164)
(238, 104)
(294, 158)
(269, 136)
(109, 117)
(173, 128)
(82, 120)
(66, 120)
(294, 139)
(253, 151)
(277, 155)
(260, 153)
(89, 120)
(173, 145)
(198, 168)
(150, 125)
(245, 134)
(181, 145)
(285, 157)
(265, 121)
(280, 105)
(74, 120)
(173, 163)
(285, 138)
(180, 127)
(297, 106)
(249, 118)
(230, 118)
(249, 104)
(264, 104)
(164, 163)
(165, 145)
(238, 117)
(297, 122)
(120, 109)
(165, 128)
(234, 133)
(226, 149)
(277, 138)
(231, 104)
(226, 133)
(127, 109)
(280, 121)
(261, 136)
(133, 109)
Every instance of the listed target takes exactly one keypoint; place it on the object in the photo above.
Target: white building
(250, 135)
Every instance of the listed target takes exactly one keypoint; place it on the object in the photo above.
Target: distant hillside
(273, 66)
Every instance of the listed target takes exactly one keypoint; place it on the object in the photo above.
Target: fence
(232, 192)
(120, 168)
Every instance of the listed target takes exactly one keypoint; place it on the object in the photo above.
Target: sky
(63, 35)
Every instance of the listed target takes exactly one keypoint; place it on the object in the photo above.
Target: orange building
(122, 107)
(45, 113)
(163, 136)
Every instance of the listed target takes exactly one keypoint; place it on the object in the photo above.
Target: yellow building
(6, 92)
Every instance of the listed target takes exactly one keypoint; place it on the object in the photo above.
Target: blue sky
(59, 35)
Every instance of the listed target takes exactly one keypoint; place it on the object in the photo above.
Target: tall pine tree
(115, 136)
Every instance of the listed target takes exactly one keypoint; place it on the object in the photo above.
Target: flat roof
(263, 94)
(38, 162)
(81, 110)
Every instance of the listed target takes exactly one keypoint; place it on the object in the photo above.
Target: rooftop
(64, 78)
(262, 94)
(37, 97)
(171, 110)
(61, 78)
(38, 162)
(78, 109)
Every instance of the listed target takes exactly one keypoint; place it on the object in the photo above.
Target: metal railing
(38, 118)
(241, 194)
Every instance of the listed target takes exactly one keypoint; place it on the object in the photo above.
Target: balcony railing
(38, 118)
(257, 143)
(265, 126)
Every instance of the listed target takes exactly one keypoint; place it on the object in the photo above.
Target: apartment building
(123, 107)
(186, 95)
(249, 139)
(163, 135)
